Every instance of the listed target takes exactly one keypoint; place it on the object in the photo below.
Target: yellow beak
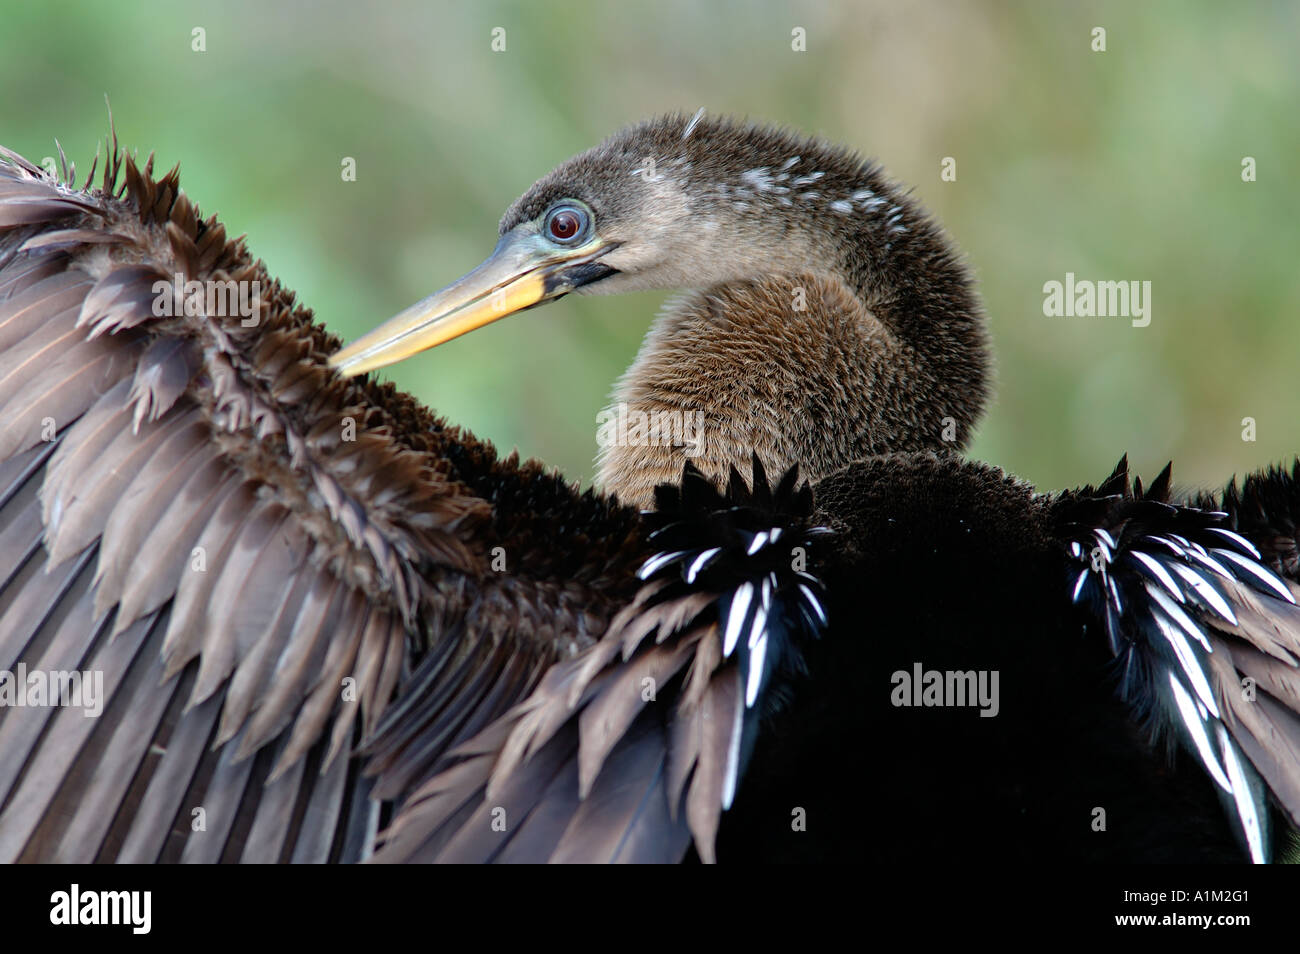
(521, 272)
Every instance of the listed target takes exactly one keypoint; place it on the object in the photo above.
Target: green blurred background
(1117, 165)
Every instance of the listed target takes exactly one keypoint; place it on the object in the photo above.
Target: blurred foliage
(1117, 165)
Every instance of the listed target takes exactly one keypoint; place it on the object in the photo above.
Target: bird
(807, 627)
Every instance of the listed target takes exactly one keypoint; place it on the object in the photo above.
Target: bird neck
(872, 342)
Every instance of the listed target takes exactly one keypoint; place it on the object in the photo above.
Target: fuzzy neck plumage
(858, 334)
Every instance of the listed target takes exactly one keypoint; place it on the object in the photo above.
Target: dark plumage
(549, 675)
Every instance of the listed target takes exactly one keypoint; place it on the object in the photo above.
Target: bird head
(675, 202)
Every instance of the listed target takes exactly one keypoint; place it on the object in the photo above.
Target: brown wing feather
(591, 766)
(1256, 663)
(254, 552)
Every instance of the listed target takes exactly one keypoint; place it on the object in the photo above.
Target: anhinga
(330, 626)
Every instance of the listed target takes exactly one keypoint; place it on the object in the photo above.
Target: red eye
(565, 224)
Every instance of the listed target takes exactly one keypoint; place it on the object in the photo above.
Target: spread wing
(227, 561)
(638, 744)
(1198, 604)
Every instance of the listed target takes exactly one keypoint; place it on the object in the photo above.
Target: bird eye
(566, 223)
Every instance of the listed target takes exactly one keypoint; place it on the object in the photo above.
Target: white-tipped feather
(1173, 548)
(1196, 729)
(1114, 594)
(1175, 588)
(757, 656)
(1160, 573)
(759, 627)
(700, 562)
(1259, 572)
(1185, 622)
(1200, 556)
(815, 603)
(1186, 659)
(653, 564)
(1241, 794)
(1238, 539)
(736, 614)
(1207, 592)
